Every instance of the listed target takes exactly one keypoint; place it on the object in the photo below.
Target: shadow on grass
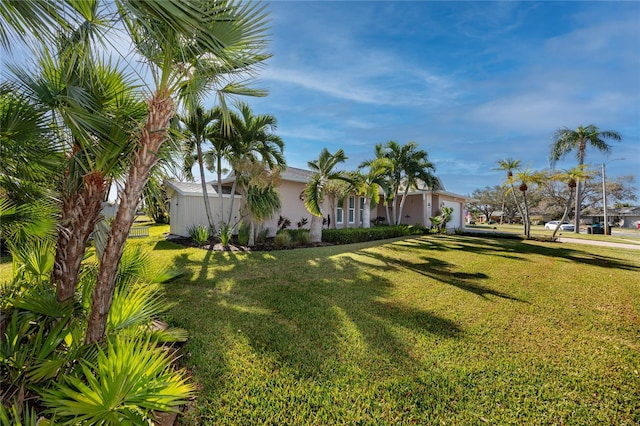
(515, 249)
(321, 312)
(315, 316)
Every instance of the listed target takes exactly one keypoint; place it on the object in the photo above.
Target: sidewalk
(630, 246)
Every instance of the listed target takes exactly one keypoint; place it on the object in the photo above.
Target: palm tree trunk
(81, 211)
(220, 198)
(316, 228)
(527, 223)
(564, 215)
(404, 198)
(515, 199)
(366, 214)
(233, 191)
(577, 204)
(386, 209)
(252, 233)
(394, 208)
(205, 194)
(161, 109)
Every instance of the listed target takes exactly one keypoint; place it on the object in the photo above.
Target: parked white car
(564, 226)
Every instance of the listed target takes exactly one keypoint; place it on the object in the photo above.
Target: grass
(631, 236)
(435, 329)
(452, 330)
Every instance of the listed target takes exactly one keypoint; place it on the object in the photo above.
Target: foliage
(283, 222)
(243, 234)
(128, 380)
(302, 222)
(282, 240)
(358, 235)
(199, 233)
(225, 232)
(43, 354)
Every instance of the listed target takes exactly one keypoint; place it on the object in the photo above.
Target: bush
(359, 235)
(199, 234)
(226, 232)
(282, 240)
(243, 234)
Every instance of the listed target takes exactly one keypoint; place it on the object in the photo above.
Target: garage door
(456, 216)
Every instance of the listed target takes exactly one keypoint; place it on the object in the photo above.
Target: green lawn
(451, 330)
(424, 330)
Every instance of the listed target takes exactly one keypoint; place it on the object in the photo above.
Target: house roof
(288, 173)
(190, 188)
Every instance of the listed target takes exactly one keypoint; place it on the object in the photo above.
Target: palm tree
(198, 128)
(571, 177)
(410, 168)
(566, 140)
(528, 177)
(509, 165)
(93, 110)
(191, 47)
(370, 183)
(256, 142)
(324, 169)
(379, 151)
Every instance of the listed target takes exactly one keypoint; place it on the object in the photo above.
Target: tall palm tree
(198, 128)
(256, 142)
(566, 140)
(324, 169)
(410, 168)
(528, 177)
(509, 165)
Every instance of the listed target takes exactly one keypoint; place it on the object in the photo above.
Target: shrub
(262, 236)
(299, 237)
(358, 235)
(226, 232)
(243, 234)
(302, 222)
(199, 234)
(282, 240)
(303, 238)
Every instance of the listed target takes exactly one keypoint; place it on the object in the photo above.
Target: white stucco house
(186, 206)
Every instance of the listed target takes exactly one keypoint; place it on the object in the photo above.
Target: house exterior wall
(292, 207)
(421, 206)
(188, 210)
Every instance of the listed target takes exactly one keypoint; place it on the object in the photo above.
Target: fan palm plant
(566, 140)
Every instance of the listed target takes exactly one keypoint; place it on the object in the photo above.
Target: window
(352, 209)
(339, 215)
(361, 210)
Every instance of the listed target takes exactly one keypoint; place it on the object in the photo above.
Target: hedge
(359, 235)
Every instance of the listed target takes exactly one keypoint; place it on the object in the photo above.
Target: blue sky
(471, 82)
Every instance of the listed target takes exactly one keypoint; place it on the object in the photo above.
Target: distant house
(186, 206)
(623, 217)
